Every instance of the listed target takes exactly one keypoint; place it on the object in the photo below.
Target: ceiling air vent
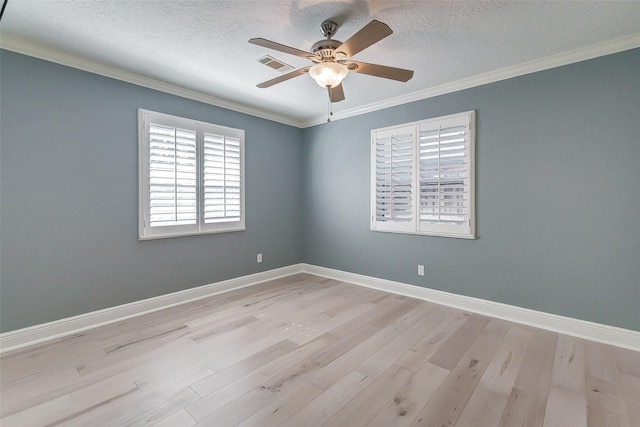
(272, 62)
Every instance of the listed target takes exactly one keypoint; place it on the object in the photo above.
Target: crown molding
(577, 55)
(621, 44)
(23, 47)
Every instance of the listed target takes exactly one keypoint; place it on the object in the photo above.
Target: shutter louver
(222, 191)
(173, 176)
(443, 175)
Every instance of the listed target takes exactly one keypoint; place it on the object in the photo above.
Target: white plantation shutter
(222, 190)
(439, 177)
(445, 166)
(394, 183)
(191, 177)
(173, 176)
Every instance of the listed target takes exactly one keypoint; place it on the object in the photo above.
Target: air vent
(272, 62)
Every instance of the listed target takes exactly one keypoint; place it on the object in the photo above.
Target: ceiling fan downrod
(325, 48)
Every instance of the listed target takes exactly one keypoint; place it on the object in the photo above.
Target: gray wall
(69, 197)
(558, 195)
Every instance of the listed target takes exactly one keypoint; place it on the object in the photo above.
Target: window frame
(145, 119)
(414, 225)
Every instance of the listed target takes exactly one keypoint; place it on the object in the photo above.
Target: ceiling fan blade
(281, 48)
(283, 77)
(336, 94)
(370, 34)
(383, 71)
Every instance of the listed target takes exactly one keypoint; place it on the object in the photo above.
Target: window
(191, 177)
(422, 177)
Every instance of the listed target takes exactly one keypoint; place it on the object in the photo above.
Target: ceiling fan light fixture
(328, 74)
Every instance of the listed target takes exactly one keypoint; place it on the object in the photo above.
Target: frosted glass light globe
(328, 74)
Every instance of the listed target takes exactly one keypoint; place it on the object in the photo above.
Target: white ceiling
(202, 45)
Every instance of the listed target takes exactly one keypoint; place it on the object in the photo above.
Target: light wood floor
(307, 351)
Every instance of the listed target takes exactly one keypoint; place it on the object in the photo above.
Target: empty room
(319, 213)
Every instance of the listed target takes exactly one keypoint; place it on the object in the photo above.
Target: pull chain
(329, 110)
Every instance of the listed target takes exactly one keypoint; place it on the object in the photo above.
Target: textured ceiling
(202, 45)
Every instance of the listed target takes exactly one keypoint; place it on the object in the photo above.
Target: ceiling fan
(332, 61)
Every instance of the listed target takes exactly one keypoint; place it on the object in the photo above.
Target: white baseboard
(14, 340)
(565, 325)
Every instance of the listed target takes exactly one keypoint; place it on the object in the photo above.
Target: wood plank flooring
(308, 351)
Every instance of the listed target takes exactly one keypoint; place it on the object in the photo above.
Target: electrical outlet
(259, 258)
(420, 270)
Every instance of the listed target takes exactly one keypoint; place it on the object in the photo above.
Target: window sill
(432, 234)
(197, 233)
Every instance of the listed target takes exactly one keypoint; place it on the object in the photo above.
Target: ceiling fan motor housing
(325, 48)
